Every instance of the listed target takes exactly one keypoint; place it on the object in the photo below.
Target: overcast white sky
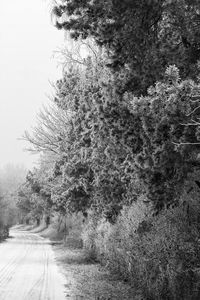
(27, 42)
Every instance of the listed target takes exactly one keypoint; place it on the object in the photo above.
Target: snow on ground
(28, 270)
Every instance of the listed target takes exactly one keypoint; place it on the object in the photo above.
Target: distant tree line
(11, 177)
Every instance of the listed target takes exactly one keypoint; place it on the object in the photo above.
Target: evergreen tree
(142, 37)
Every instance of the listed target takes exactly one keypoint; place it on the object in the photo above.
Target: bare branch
(193, 111)
(196, 97)
(52, 125)
(186, 143)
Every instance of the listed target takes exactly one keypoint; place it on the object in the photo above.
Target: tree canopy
(127, 122)
(142, 37)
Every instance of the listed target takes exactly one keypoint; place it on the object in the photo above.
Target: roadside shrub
(67, 228)
(112, 241)
(160, 256)
(166, 260)
(4, 232)
(102, 240)
(70, 226)
(89, 236)
(74, 227)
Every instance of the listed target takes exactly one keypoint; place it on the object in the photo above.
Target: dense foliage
(10, 179)
(114, 147)
(146, 36)
(34, 197)
(110, 145)
(124, 130)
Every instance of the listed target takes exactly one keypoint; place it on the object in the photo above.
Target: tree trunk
(47, 220)
(38, 221)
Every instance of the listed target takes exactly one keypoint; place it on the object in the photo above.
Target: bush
(74, 227)
(160, 256)
(166, 259)
(4, 232)
(70, 226)
(89, 236)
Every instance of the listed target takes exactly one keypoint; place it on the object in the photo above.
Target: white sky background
(27, 42)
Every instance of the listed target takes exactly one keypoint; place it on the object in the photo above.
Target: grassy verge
(88, 280)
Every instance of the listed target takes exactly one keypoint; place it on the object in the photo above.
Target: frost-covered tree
(145, 35)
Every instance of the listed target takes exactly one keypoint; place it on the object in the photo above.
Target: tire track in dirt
(9, 269)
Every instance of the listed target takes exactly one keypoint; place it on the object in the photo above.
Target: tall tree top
(145, 36)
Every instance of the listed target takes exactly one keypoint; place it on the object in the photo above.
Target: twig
(187, 143)
(193, 111)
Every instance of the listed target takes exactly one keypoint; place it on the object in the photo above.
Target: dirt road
(28, 270)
